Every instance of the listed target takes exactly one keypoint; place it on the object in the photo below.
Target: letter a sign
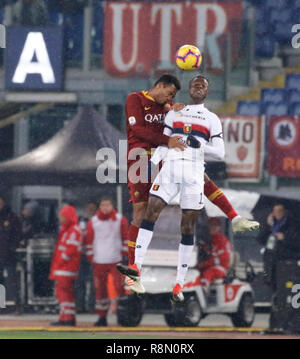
(32, 62)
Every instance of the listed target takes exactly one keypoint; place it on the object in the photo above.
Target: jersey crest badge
(187, 128)
(132, 120)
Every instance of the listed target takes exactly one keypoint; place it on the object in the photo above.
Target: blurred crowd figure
(30, 13)
(31, 221)
(280, 237)
(215, 255)
(10, 237)
(84, 291)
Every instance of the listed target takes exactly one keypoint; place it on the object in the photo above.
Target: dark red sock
(218, 198)
(132, 236)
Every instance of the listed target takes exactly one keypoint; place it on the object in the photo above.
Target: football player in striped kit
(182, 172)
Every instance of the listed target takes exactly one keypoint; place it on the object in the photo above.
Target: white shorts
(181, 177)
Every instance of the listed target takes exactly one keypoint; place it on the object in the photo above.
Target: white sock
(184, 258)
(142, 243)
(235, 218)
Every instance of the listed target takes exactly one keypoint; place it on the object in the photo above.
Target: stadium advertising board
(140, 37)
(283, 146)
(33, 58)
(243, 137)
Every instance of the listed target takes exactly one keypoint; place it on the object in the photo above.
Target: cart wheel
(244, 317)
(130, 311)
(187, 314)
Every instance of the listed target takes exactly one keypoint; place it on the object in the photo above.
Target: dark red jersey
(145, 121)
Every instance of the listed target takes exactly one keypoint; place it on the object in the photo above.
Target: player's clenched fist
(176, 142)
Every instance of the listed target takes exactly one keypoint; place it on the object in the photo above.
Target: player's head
(165, 88)
(106, 205)
(198, 88)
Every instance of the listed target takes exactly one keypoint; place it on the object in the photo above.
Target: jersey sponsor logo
(132, 120)
(147, 108)
(159, 118)
(187, 128)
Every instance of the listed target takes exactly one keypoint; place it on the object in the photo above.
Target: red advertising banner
(141, 37)
(283, 146)
(243, 137)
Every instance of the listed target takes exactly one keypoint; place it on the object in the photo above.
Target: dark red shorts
(139, 192)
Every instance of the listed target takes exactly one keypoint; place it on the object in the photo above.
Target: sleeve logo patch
(132, 120)
(155, 187)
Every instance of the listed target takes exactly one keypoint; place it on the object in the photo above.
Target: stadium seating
(274, 109)
(265, 46)
(273, 95)
(283, 15)
(292, 81)
(274, 20)
(293, 95)
(278, 4)
(294, 109)
(97, 31)
(249, 108)
(282, 31)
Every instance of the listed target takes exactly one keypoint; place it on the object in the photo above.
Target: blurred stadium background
(69, 65)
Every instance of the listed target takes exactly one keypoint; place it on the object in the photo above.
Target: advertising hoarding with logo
(142, 37)
(283, 146)
(243, 137)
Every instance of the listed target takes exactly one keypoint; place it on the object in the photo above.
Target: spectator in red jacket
(65, 264)
(106, 245)
(217, 262)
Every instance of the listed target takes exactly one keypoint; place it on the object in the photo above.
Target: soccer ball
(188, 57)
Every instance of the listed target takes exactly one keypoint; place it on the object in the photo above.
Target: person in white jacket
(106, 245)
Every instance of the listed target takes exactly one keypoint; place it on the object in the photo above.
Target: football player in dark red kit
(145, 113)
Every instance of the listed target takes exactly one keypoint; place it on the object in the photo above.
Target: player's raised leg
(218, 198)
(139, 211)
(145, 233)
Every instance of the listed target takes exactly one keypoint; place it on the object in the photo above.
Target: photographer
(281, 240)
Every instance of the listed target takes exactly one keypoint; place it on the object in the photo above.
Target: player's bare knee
(155, 206)
(188, 221)
(139, 211)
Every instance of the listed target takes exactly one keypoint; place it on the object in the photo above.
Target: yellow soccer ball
(188, 57)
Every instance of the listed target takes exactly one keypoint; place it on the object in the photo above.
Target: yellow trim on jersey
(131, 244)
(145, 93)
(214, 195)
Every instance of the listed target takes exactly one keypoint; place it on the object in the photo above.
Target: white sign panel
(243, 137)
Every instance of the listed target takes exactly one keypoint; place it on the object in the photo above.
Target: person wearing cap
(217, 262)
(65, 264)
